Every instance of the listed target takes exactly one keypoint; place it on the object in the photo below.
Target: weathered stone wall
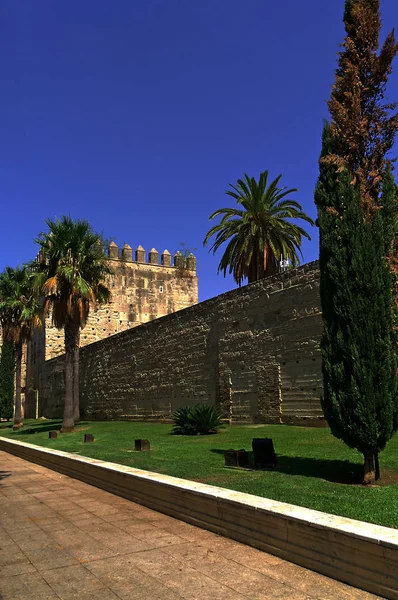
(253, 351)
(142, 290)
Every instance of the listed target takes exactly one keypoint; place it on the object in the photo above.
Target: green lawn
(314, 469)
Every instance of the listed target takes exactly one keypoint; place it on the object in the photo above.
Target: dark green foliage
(389, 210)
(7, 373)
(205, 419)
(258, 231)
(181, 420)
(200, 419)
(348, 11)
(359, 362)
(19, 317)
(357, 215)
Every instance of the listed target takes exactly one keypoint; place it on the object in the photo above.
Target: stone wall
(253, 351)
(142, 290)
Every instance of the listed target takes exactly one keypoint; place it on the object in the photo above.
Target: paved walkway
(60, 538)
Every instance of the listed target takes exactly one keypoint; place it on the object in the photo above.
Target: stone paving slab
(61, 538)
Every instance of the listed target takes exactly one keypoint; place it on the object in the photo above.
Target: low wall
(253, 351)
(360, 554)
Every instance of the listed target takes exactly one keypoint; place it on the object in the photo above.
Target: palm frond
(71, 271)
(19, 305)
(261, 231)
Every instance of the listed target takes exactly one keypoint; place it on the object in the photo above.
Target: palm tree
(259, 232)
(70, 276)
(19, 317)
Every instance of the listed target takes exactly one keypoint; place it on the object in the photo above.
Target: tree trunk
(68, 420)
(377, 466)
(76, 398)
(256, 268)
(369, 468)
(18, 367)
(251, 272)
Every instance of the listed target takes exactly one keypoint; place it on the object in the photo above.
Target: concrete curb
(360, 554)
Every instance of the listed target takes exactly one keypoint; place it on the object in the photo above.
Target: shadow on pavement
(3, 475)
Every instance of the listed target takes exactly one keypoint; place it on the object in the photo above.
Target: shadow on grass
(335, 471)
(43, 427)
(7, 425)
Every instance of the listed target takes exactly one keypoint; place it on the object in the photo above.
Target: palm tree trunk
(18, 406)
(68, 421)
(252, 270)
(76, 397)
(251, 277)
(271, 263)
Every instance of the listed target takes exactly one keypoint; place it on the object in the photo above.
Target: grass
(314, 469)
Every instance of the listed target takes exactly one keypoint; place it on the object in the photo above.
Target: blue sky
(136, 114)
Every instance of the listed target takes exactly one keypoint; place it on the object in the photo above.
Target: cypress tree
(7, 374)
(389, 202)
(359, 360)
(357, 216)
(363, 126)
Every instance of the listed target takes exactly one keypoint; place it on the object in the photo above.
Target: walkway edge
(359, 554)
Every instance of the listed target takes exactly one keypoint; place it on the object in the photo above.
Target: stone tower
(142, 290)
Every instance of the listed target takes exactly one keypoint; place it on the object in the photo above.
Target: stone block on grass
(231, 458)
(236, 458)
(242, 459)
(142, 445)
(88, 438)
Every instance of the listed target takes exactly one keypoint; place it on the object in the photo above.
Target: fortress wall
(253, 351)
(142, 290)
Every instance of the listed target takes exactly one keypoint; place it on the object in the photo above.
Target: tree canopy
(259, 231)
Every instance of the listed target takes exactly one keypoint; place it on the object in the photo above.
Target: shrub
(182, 424)
(205, 419)
(200, 419)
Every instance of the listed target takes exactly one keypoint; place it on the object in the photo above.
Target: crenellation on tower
(178, 260)
(166, 258)
(113, 251)
(100, 245)
(191, 262)
(153, 256)
(140, 254)
(127, 253)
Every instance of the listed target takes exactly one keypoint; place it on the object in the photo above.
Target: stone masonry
(253, 351)
(142, 290)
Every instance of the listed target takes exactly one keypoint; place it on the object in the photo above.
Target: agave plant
(182, 424)
(200, 419)
(205, 419)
